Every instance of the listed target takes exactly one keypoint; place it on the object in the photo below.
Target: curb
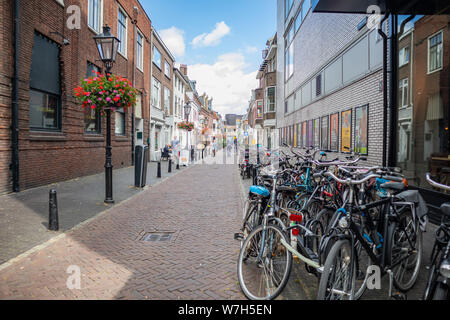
(54, 239)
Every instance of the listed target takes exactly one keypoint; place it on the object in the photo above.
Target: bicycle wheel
(405, 250)
(338, 278)
(264, 264)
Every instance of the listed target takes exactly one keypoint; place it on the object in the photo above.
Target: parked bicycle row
(345, 221)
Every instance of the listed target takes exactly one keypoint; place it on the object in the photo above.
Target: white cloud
(213, 38)
(225, 81)
(174, 40)
(250, 49)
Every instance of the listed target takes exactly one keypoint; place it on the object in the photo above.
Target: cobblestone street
(199, 208)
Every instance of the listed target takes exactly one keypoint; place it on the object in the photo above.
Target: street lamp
(107, 46)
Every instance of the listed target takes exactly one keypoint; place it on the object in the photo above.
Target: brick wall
(51, 157)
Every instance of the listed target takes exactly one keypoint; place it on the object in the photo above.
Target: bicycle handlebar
(436, 184)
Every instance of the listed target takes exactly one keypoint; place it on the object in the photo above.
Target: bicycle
(439, 277)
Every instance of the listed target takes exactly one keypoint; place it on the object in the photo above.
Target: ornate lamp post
(107, 46)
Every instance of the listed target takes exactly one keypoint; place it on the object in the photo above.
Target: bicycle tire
(394, 240)
(256, 237)
(330, 267)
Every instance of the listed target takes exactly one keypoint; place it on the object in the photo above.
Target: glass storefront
(423, 99)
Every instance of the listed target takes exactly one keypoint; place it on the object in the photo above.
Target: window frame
(100, 16)
(160, 57)
(402, 88)
(123, 42)
(158, 95)
(58, 127)
(429, 53)
(267, 104)
(401, 59)
(123, 113)
(140, 58)
(166, 64)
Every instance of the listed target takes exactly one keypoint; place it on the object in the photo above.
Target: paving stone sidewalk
(201, 206)
(24, 215)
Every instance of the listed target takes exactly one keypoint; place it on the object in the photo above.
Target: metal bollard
(170, 166)
(53, 223)
(158, 174)
(178, 164)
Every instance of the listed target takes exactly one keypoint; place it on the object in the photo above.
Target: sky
(221, 42)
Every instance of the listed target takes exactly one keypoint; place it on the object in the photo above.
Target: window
(270, 99)
(318, 82)
(289, 62)
(95, 14)
(298, 20)
(333, 75)
(435, 52)
(356, 60)
(167, 100)
(287, 7)
(45, 89)
(122, 32)
(140, 51)
(156, 94)
(44, 108)
(120, 122)
(403, 56)
(403, 100)
(156, 57)
(306, 94)
(305, 8)
(92, 119)
(167, 69)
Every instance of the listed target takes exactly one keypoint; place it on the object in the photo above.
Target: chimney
(183, 69)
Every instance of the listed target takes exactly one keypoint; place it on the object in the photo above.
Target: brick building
(329, 81)
(56, 139)
(161, 126)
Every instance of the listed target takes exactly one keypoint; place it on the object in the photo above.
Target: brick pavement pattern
(201, 205)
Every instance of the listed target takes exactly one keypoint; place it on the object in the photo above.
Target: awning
(409, 7)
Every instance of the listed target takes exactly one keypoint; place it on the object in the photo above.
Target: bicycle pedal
(239, 236)
(399, 296)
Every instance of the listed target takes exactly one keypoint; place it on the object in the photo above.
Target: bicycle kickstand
(396, 295)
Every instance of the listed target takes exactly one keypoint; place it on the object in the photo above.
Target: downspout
(15, 104)
(385, 93)
(392, 154)
(133, 81)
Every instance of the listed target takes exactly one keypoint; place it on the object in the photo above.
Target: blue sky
(230, 36)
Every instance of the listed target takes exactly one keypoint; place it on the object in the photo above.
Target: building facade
(56, 140)
(329, 81)
(162, 122)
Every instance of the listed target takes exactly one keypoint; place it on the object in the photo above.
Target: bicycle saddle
(394, 186)
(260, 191)
(445, 208)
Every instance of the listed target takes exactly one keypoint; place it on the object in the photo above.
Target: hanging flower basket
(186, 125)
(105, 92)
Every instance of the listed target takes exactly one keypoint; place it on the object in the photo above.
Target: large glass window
(45, 88)
(403, 56)
(287, 7)
(122, 32)
(424, 101)
(95, 14)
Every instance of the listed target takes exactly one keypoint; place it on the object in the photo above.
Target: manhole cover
(157, 236)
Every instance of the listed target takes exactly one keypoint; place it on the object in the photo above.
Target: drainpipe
(15, 104)
(133, 81)
(385, 93)
(392, 154)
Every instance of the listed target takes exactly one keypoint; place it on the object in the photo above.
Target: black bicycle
(439, 278)
(390, 240)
